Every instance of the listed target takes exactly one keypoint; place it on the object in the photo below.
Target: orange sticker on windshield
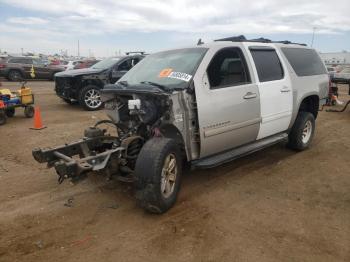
(165, 72)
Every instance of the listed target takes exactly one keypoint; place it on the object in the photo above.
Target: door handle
(285, 89)
(249, 95)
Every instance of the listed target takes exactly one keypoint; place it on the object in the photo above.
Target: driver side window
(125, 66)
(228, 68)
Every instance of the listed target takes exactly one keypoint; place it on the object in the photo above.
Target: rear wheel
(90, 98)
(302, 131)
(29, 111)
(15, 75)
(10, 112)
(2, 117)
(158, 175)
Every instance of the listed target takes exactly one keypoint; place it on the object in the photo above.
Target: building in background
(336, 58)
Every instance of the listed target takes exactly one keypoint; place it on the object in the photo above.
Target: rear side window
(305, 62)
(267, 64)
(15, 61)
(20, 61)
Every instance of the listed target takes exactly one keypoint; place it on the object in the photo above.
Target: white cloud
(27, 20)
(90, 18)
(194, 15)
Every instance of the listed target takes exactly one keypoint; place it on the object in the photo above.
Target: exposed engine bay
(137, 114)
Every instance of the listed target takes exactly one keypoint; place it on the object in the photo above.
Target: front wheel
(302, 131)
(90, 98)
(10, 112)
(3, 117)
(158, 175)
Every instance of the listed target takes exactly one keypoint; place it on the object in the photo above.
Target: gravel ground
(274, 205)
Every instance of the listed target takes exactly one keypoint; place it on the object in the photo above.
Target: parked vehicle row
(79, 64)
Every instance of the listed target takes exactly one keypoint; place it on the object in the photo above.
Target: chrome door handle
(285, 89)
(249, 95)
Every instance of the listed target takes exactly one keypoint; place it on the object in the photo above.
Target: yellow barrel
(26, 95)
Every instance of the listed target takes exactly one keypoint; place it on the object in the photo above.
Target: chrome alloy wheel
(168, 176)
(307, 131)
(92, 98)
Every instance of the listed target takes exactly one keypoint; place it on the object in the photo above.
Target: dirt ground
(274, 205)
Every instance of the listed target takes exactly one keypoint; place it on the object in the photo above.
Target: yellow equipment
(26, 96)
(9, 101)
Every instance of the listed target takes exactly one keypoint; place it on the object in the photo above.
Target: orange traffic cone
(38, 123)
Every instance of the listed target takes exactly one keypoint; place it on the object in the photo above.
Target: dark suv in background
(19, 68)
(84, 85)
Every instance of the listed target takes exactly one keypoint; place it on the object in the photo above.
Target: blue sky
(104, 27)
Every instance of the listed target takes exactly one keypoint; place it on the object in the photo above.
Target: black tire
(299, 139)
(148, 175)
(15, 75)
(29, 111)
(3, 117)
(83, 98)
(10, 112)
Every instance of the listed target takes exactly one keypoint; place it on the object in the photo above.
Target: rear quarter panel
(304, 86)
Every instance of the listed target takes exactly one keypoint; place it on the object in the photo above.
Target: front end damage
(136, 113)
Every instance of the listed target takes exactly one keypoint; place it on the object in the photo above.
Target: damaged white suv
(204, 105)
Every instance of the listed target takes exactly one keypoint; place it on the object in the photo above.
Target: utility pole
(78, 49)
(313, 35)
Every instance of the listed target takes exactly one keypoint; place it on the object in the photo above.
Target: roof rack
(136, 52)
(242, 38)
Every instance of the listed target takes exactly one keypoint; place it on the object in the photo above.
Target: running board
(221, 158)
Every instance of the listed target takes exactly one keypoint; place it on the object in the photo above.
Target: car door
(276, 96)
(227, 101)
(120, 69)
(27, 66)
(42, 71)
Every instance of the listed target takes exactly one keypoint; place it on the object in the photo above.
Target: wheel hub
(93, 98)
(307, 132)
(168, 177)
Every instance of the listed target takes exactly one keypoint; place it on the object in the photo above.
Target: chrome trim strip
(229, 127)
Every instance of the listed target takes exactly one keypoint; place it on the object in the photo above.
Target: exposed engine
(137, 114)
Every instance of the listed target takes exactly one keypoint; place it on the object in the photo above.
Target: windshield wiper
(164, 88)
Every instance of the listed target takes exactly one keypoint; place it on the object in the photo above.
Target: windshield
(106, 63)
(172, 69)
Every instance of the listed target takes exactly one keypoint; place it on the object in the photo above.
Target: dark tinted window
(267, 64)
(126, 65)
(305, 62)
(228, 68)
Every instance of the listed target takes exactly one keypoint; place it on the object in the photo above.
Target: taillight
(2, 66)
